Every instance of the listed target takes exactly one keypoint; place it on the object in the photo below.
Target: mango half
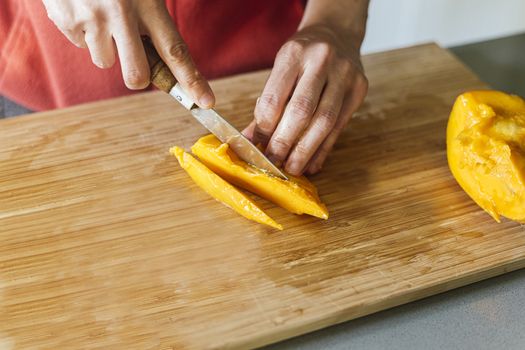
(297, 195)
(222, 191)
(486, 151)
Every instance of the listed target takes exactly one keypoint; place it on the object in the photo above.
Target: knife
(164, 80)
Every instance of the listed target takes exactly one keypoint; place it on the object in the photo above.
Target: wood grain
(106, 242)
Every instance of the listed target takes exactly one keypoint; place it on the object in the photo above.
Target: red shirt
(40, 69)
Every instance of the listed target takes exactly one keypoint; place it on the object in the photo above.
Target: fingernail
(206, 100)
(293, 168)
(102, 65)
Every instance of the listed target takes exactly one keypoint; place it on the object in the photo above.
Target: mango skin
(221, 190)
(486, 151)
(297, 195)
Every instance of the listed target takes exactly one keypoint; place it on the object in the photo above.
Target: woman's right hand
(105, 26)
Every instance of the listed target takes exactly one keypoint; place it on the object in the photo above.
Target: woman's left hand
(317, 83)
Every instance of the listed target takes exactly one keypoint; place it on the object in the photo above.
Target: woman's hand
(316, 84)
(105, 26)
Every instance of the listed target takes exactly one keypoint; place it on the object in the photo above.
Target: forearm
(343, 16)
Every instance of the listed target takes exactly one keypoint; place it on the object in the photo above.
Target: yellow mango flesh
(297, 195)
(486, 151)
(221, 190)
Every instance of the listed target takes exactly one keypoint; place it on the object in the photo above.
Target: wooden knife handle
(161, 75)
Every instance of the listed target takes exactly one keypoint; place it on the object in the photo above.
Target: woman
(316, 83)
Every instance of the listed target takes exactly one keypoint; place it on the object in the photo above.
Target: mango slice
(221, 190)
(297, 195)
(486, 151)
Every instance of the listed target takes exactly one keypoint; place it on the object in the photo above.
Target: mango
(297, 195)
(221, 190)
(486, 151)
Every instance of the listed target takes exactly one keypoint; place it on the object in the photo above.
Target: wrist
(345, 19)
(353, 34)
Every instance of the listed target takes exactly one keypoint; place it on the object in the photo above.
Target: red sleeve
(41, 69)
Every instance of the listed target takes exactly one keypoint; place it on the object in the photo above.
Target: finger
(76, 36)
(135, 68)
(270, 105)
(248, 131)
(62, 16)
(322, 124)
(101, 47)
(350, 106)
(316, 163)
(175, 53)
(297, 116)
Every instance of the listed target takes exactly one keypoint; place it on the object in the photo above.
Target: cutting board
(107, 243)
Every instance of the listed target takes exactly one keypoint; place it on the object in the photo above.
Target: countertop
(484, 315)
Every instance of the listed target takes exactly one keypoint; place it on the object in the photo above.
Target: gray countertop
(485, 315)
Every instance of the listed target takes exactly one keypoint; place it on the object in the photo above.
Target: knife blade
(163, 79)
(227, 133)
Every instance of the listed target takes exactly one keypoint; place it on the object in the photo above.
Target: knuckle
(69, 32)
(324, 50)
(266, 109)
(359, 86)
(322, 55)
(268, 101)
(289, 53)
(285, 60)
(264, 125)
(65, 20)
(194, 80)
(91, 17)
(293, 47)
(119, 7)
(178, 52)
(121, 4)
(346, 67)
(326, 119)
(280, 145)
(301, 107)
(301, 149)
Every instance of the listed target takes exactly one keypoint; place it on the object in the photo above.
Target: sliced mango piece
(297, 195)
(486, 151)
(221, 190)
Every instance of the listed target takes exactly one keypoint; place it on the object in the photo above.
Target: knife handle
(161, 75)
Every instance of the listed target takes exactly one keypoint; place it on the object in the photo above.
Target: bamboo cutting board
(107, 243)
